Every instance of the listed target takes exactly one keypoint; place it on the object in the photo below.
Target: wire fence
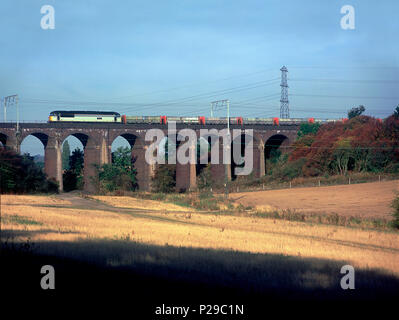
(237, 186)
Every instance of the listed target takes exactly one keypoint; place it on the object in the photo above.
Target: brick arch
(218, 168)
(203, 152)
(52, 155)
(186, 178)
(138, 147)
(93, 157)
(242, 143)
(275, 142)
(83, 137)
(134, 140)
(9, 139)
(278, 141)
(3, 139)
(43, 137)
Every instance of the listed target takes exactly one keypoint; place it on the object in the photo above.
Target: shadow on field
(122, 274)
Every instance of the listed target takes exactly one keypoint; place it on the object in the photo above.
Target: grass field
(244, 254)
(365, 200)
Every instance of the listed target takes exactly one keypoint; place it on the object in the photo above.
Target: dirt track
(366, 199)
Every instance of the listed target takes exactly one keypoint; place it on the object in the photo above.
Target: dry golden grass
(129, 202)
(360, 248)
(33, 200)
(371, 200)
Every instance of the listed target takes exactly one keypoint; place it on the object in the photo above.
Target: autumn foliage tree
(360, 144)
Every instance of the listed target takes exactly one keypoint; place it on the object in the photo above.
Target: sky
(173, 57)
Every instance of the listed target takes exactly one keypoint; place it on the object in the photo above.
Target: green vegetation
(360, 145)
(396, 112)
(201, 201)
(20, 220)
(328, 219)
(66, 153)
(204, 179)
(118, 175)
(73, 176)
(20, 174)
(354, 112)
(164, 179)
(308, 128)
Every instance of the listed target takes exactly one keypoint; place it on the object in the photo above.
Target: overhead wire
(196, 84)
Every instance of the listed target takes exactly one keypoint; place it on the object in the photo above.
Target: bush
(293, 169)
(118, 175)
(308, 129)
(282, 169)
(20, 174)
(164, 179)
(204, 179)
(113, 177)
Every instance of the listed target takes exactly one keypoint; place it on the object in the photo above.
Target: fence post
(263, 186)
(319, 183)
(349, 180)
(379, 178)
(290, 184)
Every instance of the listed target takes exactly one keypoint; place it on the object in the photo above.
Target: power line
(216, 93)
(349, 97)
(274, 95)
(344, 80)
(151, 105)
(315, 109)
(196, 84)
(344, 67)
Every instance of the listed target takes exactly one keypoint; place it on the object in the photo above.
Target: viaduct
(97, 139)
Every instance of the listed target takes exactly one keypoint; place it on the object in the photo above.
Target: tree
(164, 179)
(120, 174)
(122, 157)
(20, 174)
(73, 176)
(342, 154)
(354, 112)
(308, 128)
(76, 161)
(66, 152)
(204, 179)
(396, 112)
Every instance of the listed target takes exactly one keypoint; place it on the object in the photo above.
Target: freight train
(115, 117)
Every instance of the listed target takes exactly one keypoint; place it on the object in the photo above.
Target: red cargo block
(239, 120)
(164, 120)
(311, 120)
(276, 121)
(201, 120)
